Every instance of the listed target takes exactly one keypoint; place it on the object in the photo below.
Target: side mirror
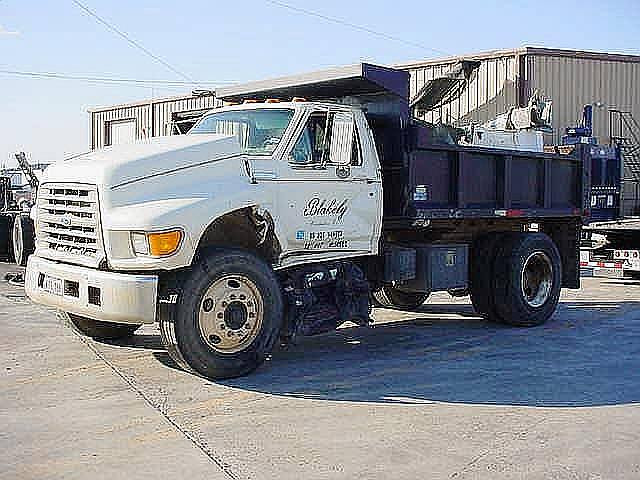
(341, 147)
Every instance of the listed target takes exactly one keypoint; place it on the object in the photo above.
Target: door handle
(367, 180)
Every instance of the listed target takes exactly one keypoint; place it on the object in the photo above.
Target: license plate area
(51, 285)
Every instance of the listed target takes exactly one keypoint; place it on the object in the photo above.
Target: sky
(216, 42)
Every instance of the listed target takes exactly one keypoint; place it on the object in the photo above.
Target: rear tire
(482, 262)
(98, 329)
(527, 279)
(391, 297)
(227, 318)
(23, 239)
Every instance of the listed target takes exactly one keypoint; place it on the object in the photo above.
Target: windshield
(258, 131)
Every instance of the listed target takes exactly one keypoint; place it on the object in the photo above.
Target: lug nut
(215, 339)
(207, 305)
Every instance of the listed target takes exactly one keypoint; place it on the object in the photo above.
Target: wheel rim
(537, 279)
(231, 313)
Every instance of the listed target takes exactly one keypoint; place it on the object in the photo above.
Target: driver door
(329, 195)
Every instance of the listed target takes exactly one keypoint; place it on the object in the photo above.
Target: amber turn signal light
(164, 243)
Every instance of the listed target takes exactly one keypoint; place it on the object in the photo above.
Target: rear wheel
(527, 279)
(391, 297)
(481, 273)
(98, 329)
(228, 317)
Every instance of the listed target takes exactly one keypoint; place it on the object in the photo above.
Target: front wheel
(391, 297)
(228, 317)
(98, 329)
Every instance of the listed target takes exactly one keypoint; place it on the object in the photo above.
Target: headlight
(156, 244)
(139, 243)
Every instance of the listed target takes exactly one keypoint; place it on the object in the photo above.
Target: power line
(130, 40)
(346, 23)
(89, 80)
(65, 76)
(104, 79)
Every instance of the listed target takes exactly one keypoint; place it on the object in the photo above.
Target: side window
(318, 138)
(312, 145)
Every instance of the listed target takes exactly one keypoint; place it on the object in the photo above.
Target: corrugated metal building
(149, 118)
(505, 78)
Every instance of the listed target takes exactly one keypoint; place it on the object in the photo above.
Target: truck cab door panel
(328, 195)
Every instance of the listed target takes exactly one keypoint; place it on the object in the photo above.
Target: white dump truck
(277, 217)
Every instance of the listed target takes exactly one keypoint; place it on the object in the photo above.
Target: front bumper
(107, 296)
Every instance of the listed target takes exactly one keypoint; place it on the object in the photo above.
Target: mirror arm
(325, 149)
(249, 170)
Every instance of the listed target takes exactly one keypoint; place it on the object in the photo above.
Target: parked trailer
(621, 253)
(278, 218)
(611, 243)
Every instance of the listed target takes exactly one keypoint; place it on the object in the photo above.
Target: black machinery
(17, 232)
(606, 168)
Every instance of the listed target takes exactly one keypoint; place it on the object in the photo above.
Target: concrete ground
(435, 394)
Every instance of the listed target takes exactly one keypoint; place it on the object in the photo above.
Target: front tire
(391, 297)
(98, 329)
(228, 317)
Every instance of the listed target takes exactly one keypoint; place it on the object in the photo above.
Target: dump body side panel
(451, 181)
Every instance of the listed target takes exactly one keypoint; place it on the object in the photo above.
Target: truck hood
(122, 164)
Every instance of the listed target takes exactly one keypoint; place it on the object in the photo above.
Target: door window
(315, 144)
(312, 145)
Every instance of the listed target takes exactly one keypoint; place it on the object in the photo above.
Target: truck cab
(329, 146)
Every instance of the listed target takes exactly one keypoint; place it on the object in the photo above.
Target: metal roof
(526, 50)
(150, 101)
(358, 79)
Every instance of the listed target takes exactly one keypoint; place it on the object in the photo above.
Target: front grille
(68, 227)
